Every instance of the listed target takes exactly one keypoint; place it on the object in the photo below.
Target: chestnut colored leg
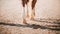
(33, 9)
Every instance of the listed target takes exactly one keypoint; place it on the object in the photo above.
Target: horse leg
(33, 14)
(24, 20)
(33, 9)
(27, 15)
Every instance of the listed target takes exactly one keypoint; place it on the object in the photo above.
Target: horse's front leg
(33, 9)
(24, 18)
(27, 13)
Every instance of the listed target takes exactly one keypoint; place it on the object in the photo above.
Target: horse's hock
(46, 18)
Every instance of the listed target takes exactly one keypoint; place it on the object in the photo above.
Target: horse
(25, 2)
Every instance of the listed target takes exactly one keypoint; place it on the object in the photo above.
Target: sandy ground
(20, 30)
(11, 12)
(6, 29)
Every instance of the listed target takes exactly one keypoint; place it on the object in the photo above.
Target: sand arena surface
(11, 12)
